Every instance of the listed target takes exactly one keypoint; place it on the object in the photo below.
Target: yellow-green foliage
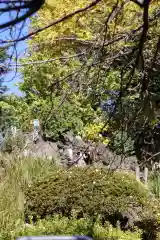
(64, 226)
(92, 132)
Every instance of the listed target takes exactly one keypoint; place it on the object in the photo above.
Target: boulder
(97, 154)
(42, 149)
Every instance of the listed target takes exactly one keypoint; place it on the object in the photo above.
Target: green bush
(87, 192)
(121, 143)
(92, 132)
(65, 226)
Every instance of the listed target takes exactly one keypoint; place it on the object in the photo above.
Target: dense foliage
(88, 70)
(91, 193)
(86, 193)
(3, 88)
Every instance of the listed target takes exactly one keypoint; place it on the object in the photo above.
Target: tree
(3, 88)
(6, 110)
(100, 48)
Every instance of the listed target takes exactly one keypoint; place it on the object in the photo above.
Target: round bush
(86, 192)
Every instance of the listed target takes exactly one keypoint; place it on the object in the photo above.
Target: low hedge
(65, 226)
(87, 192)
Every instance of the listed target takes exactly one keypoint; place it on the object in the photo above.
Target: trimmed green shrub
(65, 226)
(87, 192)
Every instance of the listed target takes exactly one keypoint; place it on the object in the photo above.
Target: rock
(78, 138)
(130, 217)
(81, 163)
(79, 143)
(42, 149)
(126, 220)
(96, 154)
(69, 136)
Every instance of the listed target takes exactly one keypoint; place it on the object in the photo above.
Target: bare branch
(53, 23)
(46, 61)
(15, 8)
(33, 6)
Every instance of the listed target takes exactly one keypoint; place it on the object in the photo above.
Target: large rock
(72, 150)
(42, 149)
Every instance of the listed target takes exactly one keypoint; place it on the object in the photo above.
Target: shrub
(150, 228)
(64, 226)
(13, 143)
(122, 144)
(87, 192)
(92, 132)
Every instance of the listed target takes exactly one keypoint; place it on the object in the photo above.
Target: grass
(154, 183)
(19, 174)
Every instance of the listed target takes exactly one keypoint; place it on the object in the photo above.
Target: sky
(12, 78)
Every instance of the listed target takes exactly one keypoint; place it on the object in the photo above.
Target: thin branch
(139, 55)
(150, 158)
(15, 8)
(33, 6)
(123, 36)
(46, 61)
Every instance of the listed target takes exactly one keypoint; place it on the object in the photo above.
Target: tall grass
(19, 173)
(154, 183)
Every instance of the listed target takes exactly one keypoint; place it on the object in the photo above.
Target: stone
(42, 149)
(69, 136)
(81, 163)
(78, 138)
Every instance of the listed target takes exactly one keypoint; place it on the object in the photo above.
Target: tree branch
(15, 8)
(33, 6)
(46, 61)
(63, 18)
